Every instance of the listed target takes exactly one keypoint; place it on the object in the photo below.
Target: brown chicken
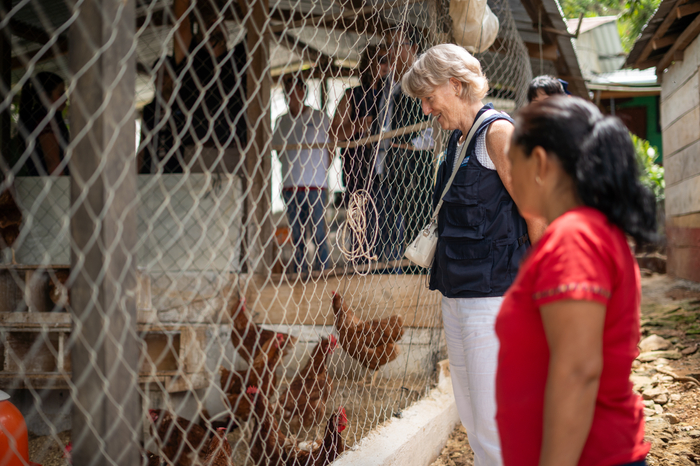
(182, 442)
(248, 337)
(10, 220)
(218, 451)
(269, 447)
(372, 343)
(323, 451)
(308, 392)
(260, 374)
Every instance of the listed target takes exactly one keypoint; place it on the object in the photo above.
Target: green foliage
(632, 14)
(652, 174)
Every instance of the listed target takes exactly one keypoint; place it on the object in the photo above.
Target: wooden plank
(682, 165)
(687, 9)
(683, 262)
(105, 349)
(370, 296)
(684, 221)
(682, 132)
(664, 41)
(678, 102)
(658, 34)
(686, 37)
(683, 198)
(257, 159)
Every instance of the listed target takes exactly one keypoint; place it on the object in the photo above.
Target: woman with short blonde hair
(482, 237)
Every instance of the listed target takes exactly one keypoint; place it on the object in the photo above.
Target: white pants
(472, 347)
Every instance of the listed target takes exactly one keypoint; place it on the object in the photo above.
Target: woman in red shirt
(569, 324)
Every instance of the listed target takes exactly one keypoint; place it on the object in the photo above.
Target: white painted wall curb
(417, 438)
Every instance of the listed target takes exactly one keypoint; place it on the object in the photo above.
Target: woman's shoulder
(583, 228)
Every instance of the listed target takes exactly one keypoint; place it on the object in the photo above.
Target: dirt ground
(666, 378)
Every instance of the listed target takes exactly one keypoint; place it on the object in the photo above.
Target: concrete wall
(680, 123)
(185, 223)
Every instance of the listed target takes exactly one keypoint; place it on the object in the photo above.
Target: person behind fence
(212, 89)
(363, 167)
(304, 172)
(354, 117)
(543, 87)
(406, 158)
(569, 325)
(42, 132)
(481, 235)
(162, 122)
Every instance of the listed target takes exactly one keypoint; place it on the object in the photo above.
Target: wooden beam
(687, 9)
(258, 224)
(664, 41)
(332, 18)
(658, 34)
(105, 352)
(686, 37)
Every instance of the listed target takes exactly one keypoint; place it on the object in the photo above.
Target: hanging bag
(421, 251)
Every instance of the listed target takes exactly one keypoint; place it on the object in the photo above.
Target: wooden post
(107, 413)
(258, 162)
(6, 82)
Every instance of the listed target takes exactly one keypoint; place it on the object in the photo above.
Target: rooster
(10, 220)
(247, 337)
(182, 442)
(270, 447)
(260, 374)
(372, 343)
(308, 392)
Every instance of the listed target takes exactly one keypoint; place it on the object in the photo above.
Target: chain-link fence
(204, 211)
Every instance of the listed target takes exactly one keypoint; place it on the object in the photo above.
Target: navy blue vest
(482, 237)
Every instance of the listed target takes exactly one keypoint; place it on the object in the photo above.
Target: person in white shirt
(304, 172)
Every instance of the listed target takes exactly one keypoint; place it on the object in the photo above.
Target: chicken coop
(161, 301)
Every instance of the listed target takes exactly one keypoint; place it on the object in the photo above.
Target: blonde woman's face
(444, 105)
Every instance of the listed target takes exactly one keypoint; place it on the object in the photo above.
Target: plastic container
(14, 443)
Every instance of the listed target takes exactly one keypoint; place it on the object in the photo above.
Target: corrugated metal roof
(588, 24)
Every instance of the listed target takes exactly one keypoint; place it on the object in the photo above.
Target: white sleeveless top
(482, 154)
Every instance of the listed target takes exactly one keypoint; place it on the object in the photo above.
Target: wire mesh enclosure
(204, 209)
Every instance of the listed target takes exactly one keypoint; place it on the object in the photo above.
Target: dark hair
(549, 84)
(411, 34)
(369, 58)
(596, 151)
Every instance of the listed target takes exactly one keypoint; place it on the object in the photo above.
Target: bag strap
(462, 154)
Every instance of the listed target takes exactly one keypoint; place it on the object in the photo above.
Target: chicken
(180, 441)
(248, 337)
(10, 220)
(269, 447)
(323, 451)
(260, 374)
(266, 440)
(308, 392)
(218, 451)
(372, 343)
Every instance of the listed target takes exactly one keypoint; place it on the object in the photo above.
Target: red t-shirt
(581, 256)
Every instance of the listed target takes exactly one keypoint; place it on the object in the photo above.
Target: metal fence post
(106, 417)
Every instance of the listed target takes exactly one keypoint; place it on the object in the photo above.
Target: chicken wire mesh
(204, 210)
